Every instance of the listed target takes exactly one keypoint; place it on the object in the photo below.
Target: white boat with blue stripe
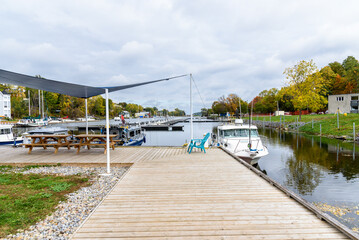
(7, 135)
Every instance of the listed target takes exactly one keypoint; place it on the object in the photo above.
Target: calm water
(323, 171)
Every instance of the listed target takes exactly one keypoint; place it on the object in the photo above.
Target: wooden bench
(89, 140)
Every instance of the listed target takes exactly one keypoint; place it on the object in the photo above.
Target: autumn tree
(306, 85)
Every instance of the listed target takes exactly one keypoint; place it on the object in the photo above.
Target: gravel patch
(69, 215)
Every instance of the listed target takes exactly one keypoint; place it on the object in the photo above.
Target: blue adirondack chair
(198, 143)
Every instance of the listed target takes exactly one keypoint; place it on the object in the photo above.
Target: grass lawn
(328, 122)
(27, 198)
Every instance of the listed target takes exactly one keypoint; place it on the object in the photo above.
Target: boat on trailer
(7, 135)
(242, 140)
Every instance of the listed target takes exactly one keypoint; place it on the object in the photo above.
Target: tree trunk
(300, 115)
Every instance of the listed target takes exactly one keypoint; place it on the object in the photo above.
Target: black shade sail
(71, 89)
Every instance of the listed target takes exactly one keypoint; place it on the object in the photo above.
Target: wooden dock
(121, 156)
(168, 194)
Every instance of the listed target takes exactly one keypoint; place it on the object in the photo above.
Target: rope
(204, 106)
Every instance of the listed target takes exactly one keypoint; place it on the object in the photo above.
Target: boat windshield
(239, 133)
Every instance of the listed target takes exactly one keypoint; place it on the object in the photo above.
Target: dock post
(320, 133)
(354, 131)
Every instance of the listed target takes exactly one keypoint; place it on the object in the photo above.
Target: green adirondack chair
(198, 143)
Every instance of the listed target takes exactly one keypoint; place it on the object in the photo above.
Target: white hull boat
(7, 136)
(242, 140)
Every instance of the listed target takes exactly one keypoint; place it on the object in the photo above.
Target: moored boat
(7, 136)
(44, 131)
(127, 135)
(242, 140)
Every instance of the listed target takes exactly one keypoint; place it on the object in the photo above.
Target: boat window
(5, 131)
(229, 133)
(254, 132)
(132, 133)
(239, 133)
(242, 132)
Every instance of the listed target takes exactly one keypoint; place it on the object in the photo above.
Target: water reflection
(330, 155)
(321, 170)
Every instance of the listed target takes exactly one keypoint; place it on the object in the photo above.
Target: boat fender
(144, 139)
(249, 145)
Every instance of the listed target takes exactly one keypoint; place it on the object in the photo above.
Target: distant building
(279, 113)
(346, 103)
(5, 104)
(125, 114)
(142, 115)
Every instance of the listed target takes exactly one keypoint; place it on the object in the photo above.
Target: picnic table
(89, 140)
(49, 140)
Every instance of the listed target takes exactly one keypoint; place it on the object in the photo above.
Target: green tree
(306, 85)
(329, 77)
(337, 68)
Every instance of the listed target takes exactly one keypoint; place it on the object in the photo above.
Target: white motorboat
(242, 140)
(7, 136)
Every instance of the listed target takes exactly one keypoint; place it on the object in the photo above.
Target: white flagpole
(107, 133)
(191, 107)
(87, 123)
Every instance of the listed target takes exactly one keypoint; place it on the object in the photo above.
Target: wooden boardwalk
(124, 156)
(199, 196)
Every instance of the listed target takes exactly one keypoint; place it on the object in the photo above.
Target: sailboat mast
(43, 107)
(28, 93)
(39, 102)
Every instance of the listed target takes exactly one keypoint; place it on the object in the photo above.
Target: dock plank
(171, 195)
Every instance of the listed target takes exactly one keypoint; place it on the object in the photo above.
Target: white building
(345, 103)
(5, 104)
(142, 115)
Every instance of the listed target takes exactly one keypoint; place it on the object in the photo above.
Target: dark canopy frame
(71, 89)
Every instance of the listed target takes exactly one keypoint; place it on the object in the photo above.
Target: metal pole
(39, 102)
(191, 107)
(107, 133)
(29, 102)
(42, 105)
(312, 123)
(87, 122)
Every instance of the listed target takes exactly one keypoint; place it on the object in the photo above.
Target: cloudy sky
(230, 46)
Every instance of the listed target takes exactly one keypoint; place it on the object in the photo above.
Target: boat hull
(134, 143)
(10, 142)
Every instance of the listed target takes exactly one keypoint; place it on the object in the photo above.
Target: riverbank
(325, 124)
